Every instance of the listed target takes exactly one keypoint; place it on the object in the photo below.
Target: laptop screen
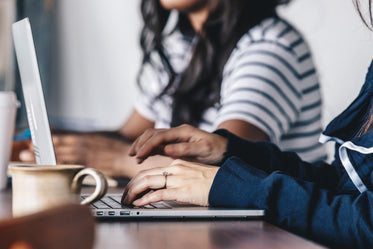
(33, 94)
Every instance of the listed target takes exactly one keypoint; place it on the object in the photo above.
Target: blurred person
(231, 64)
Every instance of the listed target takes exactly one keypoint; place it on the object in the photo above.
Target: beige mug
(39, 187)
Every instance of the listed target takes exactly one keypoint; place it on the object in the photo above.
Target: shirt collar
(346, 125)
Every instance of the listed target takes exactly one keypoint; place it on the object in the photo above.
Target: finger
(147, 182)
(65, 139)
(132, 149)
(185, 150)
(142, 139)
(149, 172)
(67, 150)
(158, 195)
(146, 192)
(156, 151)
(140, 175)
(167, 136)
(69, 155)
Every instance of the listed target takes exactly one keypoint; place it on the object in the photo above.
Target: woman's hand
(103, 151)
(182, 181)
(184, 142)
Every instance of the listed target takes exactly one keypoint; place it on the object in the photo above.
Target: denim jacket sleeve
(300, 206)
(268, 157)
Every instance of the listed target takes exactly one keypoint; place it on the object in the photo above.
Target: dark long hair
(366, 17)
(368, 21)
(198, 87)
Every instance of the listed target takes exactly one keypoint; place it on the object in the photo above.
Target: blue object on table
(23, 135)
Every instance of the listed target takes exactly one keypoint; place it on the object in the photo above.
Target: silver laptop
(110, 205)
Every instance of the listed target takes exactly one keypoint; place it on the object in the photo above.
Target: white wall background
(7, 17)
(341, 44)
(98, 57)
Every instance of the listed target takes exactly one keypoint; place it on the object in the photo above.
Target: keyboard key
(100, 205)
(117, 198)
(149, 206)
(111, 202)
(97, 204)
(161, 205)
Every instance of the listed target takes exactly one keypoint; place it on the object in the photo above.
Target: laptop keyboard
(108, 202)
(113, 202)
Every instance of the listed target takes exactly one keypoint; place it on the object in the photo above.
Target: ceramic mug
(39, 187)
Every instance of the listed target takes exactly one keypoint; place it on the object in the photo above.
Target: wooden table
(202, 234)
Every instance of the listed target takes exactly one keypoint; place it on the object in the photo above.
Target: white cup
(8, 108)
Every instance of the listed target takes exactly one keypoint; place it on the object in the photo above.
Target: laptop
(109, 207)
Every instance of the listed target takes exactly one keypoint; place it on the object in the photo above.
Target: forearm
(108, 152)
(300, 206)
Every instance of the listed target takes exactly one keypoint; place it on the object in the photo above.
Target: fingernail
(124, 201)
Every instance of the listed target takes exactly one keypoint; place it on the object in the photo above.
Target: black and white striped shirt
(269, 81)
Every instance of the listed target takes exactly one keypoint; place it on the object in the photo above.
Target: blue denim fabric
(318, 201)
(346, 125)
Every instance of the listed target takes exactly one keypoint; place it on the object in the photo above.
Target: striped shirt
(269, 81)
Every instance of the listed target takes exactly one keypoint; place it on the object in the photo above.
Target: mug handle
(101, 184)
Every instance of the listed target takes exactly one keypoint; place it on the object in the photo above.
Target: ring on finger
(165, 174)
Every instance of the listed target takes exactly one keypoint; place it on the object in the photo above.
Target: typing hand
(182, 181)
(95, 150)
(23, 151)
(184, 142)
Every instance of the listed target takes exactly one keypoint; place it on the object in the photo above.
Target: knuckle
(159, 194)
(141, 173)
(177, 168)
(149, 131)
(185, 150)
(177, 163)
(156, 136)
(206, 144)
(186, 127)
(130, 192)
(146, 180)
(144, 134)
(145, 198)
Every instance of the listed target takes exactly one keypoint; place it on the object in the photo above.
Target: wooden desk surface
(185, 234)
